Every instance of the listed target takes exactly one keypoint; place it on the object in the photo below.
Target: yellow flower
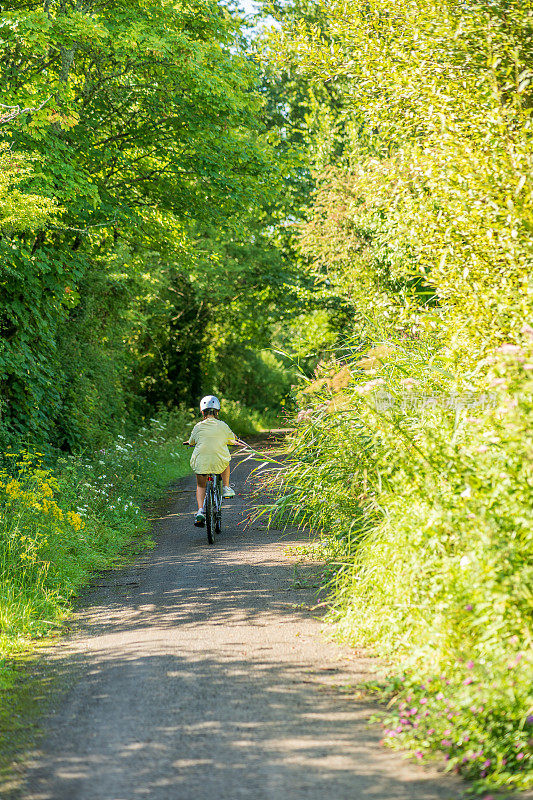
(13, 488)
(75, 520)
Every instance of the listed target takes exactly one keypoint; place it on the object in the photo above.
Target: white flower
(466, 492)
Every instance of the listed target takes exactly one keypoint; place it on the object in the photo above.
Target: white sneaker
(227, 491)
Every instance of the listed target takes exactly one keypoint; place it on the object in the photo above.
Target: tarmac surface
(203, 673)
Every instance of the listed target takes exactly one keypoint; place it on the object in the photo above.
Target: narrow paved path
(201, 674)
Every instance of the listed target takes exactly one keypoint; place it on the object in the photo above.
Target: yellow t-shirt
(211, 437)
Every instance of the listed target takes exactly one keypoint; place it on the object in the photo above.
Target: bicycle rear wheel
(210, 513)
(218, 515)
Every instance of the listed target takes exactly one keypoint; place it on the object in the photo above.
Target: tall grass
(419, 481)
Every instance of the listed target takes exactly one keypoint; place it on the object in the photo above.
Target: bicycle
(213, 501)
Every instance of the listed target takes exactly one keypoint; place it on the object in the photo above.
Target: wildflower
(520, 756)
(508, 348)
(363, 388)
(419, 754)
(466, 493)
(423, 701)
(468, 680)
(470, 665)
(469, 607)
(446, 743)
(431, 731)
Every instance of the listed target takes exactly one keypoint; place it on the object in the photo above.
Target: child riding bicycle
(211, 456)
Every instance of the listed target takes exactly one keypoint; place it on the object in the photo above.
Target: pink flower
(468, 680)
(469, 607)
(446, 743)
(520, 756)
(508, 348)
(423, 701)
(470, 665)
(419, 754)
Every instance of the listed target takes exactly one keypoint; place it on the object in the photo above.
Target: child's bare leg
(201, 483)
(225, 476)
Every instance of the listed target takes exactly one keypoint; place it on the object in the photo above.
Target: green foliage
(149, 165)
(245, 421)
(431, 201)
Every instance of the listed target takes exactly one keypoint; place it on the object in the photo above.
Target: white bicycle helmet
(209, 401)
